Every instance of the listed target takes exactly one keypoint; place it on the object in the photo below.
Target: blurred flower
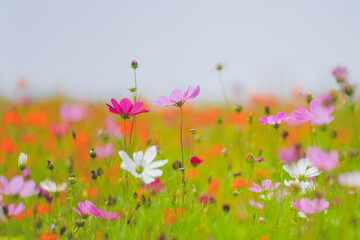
(172, 216)
(302, 169)
(195, 161)
(290, 155)
(15, 210)
(143, 166)
(22, 161)
(261, 219)
(266, 186)
(318, 114)
(72, 112)
(105, 151)
(281, 117)
(308, 207)
(205, 199)
(84, 208)
(177, 97)
(155, 186)
(258, 159)
(125, 108)
(255, 204)
(103, 214)
(51, 186)
(325, 99)
(349, 179)
(340, 74)
(241, 182)
(323, 160)
(59, 129)
(26, 173)
(17, 186)
(304, 186)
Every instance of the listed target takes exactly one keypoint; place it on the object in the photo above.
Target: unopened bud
(134, 64)
(238, 108)
(93, 175)
(92, 153)
(100, 172)
(50, 166)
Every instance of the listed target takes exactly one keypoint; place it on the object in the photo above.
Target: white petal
(149, 156)
(291, 169)
(312, 172)
(138, 157)
(157, 164)
(127, 163)
(147, 179)
(302, 165)
(153, 172)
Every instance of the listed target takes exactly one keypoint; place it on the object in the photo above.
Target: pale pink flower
(17, 186)
(15, 210)
(308, 207)
(325, 99)
(318, 114)
(266, 186)
(177, 97)
(281, 117)
(72, 112)
(349, 179)
(290, 155)
(340, 73)
(105, 151)
(59, 129)
(84, 208)
(255, 204)
(323, 160)
(261, 219)
(125, 108)
(103, 214)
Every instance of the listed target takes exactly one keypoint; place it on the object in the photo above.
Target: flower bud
(267, 110)
(93, 175)
(219, 66)
(177, 165)
(192, 131)
(219, 120)
(92, 154)
(238, 108)
(50, 166)
(22, 161)
(249, 158)
(134, 64)
(100, 172)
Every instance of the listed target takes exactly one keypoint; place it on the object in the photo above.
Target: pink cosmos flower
(59, 129)
(318, 114)
(84, 208)
(266, 186)
(323, 160)
(340, 73)
(275, 119)
(350, 179)
(290, 155)
(105, 151)
(258, 159)
(306, 206)
(15, 210)
(72, 112)
(103, 214)
(255, 204)
(155, 186)
(325, 99)
(125, 108)
(111, 126)
(205, 199)
(261, 219)
(177, 97)
(195, 161)
(17, 186)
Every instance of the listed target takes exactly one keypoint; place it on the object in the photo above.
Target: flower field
(174, 168)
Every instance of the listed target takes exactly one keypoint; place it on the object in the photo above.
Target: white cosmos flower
(302, 169)
(143, 165)
(51, 186)
(303, 185)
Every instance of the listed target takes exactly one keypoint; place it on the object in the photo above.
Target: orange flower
(172, 216)
(214, 186)
(36, 118)
(29, 138)
(48, 236)
(11, 118)
(241, 182)
(8, 146)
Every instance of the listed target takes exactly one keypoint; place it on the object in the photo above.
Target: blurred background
(83, 49)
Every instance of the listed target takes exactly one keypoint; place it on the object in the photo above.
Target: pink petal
(125, 105)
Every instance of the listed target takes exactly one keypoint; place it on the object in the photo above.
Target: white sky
(84, 48)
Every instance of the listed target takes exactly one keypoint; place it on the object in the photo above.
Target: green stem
(124, 136)
(223, 90)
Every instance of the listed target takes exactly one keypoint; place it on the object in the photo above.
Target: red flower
(196, 161)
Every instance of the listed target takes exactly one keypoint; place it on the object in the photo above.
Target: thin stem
(124, 136)
(135, 93)
(181, 142)
(132, 132)
(187, 173)
(223, 90)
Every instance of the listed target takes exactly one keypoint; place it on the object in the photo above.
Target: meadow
(172, 168)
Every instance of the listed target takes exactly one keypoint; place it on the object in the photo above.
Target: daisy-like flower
(84, 208)
(308, 207)
(303, 185)
(318, 115)
(125, 108)
(51, 186)
(17, 186)
(350, 179)
(267, 187)
(15, 210)
(177, 97)
(302, 169)
(323, 160)
(143, 165)
(275, 120)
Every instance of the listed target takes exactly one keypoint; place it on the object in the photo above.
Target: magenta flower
(306, 206)
(318, 114)
(340, 73)
(72, 112)
(103, 214)
(258, 159)
(275, 120)
(290, 155)
(105, 151)
(15, 210)
(177, 97)
(17, 186)
(205, 199)
(195, 160)
(84, 208)
(155, 186)
(323, 160)
(325, 99)
(59, 129)
(266, 186)
(125, 108)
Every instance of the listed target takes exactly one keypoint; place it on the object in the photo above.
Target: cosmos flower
(323, 160)
(308, 207)
(266, 186)
(258, 159)
(72, 112)
(340, 74)
(290, 155)
(17, 186)
(103, 214)
(143, 165)
(125, 108)
(304, 186)
(177, 97)
(318, 114)
(104, 151)
(51, 186)
(350, 179)
(195, 161)
(84, 208)
(15, 210)
(255, 204)
(302, 169)
(281, 117)
(155, 186)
